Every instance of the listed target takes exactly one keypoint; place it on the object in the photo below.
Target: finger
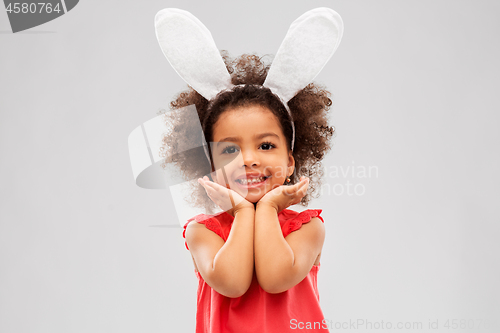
(216, 195)
(231, 198)
(217, 187)
(208, 189)
(304, 182)
(218, 191)
(203, 183)
(294, 188)
(208, 182)
(213, 185)
(303, 188)
(216, 198)
(210, 195)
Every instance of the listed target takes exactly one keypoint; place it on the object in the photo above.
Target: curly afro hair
(248, 72)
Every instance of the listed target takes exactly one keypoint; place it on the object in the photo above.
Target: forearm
(274, 258)
(233, 264)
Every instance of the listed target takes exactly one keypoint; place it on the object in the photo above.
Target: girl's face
(250, 152)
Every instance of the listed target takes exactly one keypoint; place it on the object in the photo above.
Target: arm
(227, 267)
(281, 263)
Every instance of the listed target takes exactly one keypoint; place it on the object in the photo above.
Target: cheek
(280, 169)
(229, 165)
(228, 162)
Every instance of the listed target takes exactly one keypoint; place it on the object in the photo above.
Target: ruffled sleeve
(291, 221)
(210, 221)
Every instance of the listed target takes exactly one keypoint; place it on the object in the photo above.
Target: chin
(254, 198)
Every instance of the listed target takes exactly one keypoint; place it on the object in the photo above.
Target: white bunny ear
(309, 43)
(191, 50)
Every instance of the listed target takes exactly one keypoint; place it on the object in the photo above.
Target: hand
(284, 196)
(227, 199)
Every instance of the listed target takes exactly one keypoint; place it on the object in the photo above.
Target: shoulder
(303, 217)
(292, 221)
(205, 227)
(198, 234)
(313, 230)
(304, 229)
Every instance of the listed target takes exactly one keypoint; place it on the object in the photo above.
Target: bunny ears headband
(189, 47)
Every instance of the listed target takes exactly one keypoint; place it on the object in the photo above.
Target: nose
(250, 158)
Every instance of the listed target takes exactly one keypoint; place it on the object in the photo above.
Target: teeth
(251, 181)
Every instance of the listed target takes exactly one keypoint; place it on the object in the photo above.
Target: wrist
(267, 205)
(245, 210)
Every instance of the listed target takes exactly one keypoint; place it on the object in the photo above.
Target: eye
(267, 146)
(230, 150)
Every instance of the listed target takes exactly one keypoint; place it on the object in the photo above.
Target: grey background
(415, 87)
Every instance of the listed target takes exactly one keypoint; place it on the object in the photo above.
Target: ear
(309, 43)
(291, 164)
(190, 49)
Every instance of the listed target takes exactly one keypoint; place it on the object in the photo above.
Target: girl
(257, 261)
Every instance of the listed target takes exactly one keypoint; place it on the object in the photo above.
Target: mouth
(252, 182)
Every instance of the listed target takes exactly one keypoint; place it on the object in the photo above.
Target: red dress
(296, 309)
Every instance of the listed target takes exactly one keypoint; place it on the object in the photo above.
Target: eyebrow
(238, 138)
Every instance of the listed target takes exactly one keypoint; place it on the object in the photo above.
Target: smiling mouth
(244, 181)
